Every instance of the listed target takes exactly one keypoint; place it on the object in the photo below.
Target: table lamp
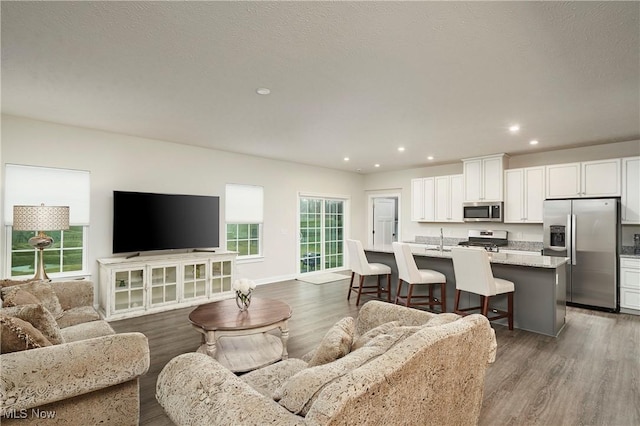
(40, 218)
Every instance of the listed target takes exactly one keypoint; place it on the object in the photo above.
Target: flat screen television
(146, 221)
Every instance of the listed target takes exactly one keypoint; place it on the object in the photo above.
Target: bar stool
(408, 271)
(359, 265)
(473, 274)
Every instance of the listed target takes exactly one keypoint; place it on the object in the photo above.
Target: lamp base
(41, 275)
(40, 242)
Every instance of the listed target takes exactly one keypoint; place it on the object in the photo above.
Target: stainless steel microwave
(482, 212)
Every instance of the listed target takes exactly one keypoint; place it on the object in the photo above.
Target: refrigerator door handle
(567, 238)
(573, 240)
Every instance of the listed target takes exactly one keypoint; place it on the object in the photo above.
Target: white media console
(143, 285)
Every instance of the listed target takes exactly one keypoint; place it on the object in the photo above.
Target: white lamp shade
(40, 218)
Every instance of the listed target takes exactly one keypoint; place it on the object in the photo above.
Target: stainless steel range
(490, 240)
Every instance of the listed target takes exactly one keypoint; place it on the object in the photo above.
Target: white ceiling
(354, 79)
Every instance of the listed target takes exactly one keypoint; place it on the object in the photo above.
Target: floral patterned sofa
(60, 363)
(393, 365)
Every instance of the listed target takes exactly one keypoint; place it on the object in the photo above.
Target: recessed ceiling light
(514, 128)
(401, 148)
(263, 91)
(346, 158)
(430, 157)
(533, 142)
(376, 165)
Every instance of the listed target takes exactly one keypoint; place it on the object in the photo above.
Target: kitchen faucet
(441, 240)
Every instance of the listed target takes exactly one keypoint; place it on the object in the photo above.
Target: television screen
(146, 221)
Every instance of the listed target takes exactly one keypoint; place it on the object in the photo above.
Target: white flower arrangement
(243, 288)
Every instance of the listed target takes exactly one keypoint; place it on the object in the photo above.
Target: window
(30, 185)
(66, 254)
(244, 238)
(243, 216)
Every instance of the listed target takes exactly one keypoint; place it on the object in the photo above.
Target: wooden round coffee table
(239, 340)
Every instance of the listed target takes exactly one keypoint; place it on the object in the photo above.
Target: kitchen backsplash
(628, 250)
(449, 241)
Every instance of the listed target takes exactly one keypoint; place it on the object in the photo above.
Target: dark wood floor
(589, 375)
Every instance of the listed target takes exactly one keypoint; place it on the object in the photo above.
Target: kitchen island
(540, 284)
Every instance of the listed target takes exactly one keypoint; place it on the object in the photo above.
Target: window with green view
(66, 254)
(244, 238)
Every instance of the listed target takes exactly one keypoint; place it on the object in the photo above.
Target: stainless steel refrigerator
(588, 232)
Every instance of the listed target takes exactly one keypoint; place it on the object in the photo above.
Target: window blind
(32, 186)
(244, 203)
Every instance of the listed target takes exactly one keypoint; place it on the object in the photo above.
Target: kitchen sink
(437, 249)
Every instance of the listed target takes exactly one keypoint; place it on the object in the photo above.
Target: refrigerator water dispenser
(557, 237)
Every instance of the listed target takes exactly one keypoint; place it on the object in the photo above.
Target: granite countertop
(628, 252)
(530, 260)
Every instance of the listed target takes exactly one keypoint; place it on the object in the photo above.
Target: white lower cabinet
(630, 283)
(148, 284)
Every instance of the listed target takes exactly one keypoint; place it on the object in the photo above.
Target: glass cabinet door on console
(194, 280)
(220, 277)
(148, 284)
(164, 284)
(128, 290)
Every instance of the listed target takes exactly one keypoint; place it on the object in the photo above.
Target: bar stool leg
(389, 288)
(510, 309)
(353, 274)
(485, 306)
(360, 289)
(398, 291)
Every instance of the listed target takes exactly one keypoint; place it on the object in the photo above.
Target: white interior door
(384, 221)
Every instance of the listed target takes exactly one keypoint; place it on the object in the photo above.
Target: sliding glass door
(321, 233)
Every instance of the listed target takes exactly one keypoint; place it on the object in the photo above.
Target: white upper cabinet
(524, 195)
(601, 178)
(588, 179)
(448, 198)
(483, 178)
(422, 193)
(631, 190)
(563, 180)
(457, 192)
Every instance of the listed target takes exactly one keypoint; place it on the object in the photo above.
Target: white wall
(120, 162)
(401, 180)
